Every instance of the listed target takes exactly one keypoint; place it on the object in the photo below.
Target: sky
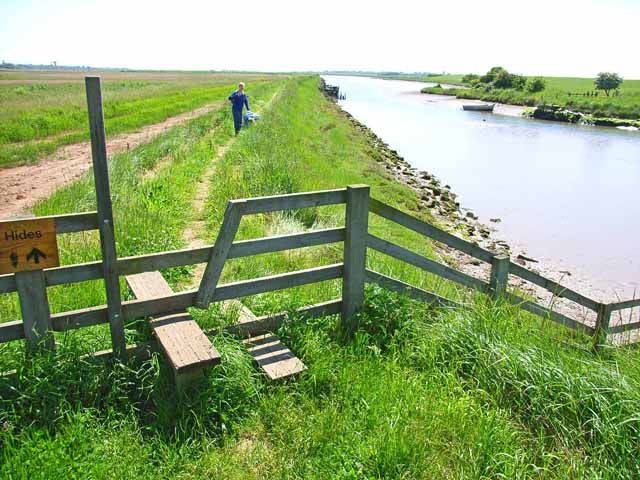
(535, 37)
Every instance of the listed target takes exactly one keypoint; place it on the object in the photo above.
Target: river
(567, 195)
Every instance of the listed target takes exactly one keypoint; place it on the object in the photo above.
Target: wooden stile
(183, 342)
(105, 215)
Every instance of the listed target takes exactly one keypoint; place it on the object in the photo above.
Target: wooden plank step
(148, 285)
(183, 342)
(275, 359)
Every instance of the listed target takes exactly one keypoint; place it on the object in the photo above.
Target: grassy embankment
(624, 106)
(483, 392)
(39, 113)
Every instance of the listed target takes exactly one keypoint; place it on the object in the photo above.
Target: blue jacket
(238, 100)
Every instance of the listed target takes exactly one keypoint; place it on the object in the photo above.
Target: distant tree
(608, 81)
(469, 78)
(492, 74)
(535, 85)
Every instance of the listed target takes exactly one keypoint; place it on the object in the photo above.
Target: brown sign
(28, 245)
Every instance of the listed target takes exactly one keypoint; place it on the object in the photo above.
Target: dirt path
(22, 187)
(193, 234)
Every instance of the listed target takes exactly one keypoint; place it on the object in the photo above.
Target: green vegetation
(484, 392)
(578, 94)
(607, 81)
(39, 114)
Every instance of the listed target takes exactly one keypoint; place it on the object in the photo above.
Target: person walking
(238, 100)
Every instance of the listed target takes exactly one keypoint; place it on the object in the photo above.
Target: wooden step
(187, 348)
(274, 358)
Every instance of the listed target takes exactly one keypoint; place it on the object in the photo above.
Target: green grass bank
(483, 392)
(563, 91)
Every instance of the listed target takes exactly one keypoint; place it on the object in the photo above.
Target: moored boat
(479, 107)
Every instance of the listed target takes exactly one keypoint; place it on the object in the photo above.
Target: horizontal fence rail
(180, 258)
(355, 230)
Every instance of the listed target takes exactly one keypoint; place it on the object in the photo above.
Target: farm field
(484, 392)
(42, 110)
(626, 105)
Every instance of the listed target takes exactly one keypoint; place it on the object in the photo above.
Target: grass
(481, 392)
(626, 105)
(39, 114)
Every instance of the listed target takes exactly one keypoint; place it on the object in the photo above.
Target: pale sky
(547, 37)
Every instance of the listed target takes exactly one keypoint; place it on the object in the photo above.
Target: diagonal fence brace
(232, 216)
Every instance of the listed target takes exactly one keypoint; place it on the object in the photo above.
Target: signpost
(27, 245)
(26, 248)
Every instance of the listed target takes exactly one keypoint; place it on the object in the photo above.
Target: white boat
(479, 107)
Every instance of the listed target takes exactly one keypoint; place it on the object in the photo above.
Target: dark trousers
(237, 120)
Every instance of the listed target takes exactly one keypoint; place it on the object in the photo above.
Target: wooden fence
(37, 323)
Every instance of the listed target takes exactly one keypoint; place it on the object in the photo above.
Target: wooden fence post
(34, 305)
(602, 325)
(499, 275)
(105, 216)
(355, 255)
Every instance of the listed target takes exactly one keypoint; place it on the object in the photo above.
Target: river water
(568, 195)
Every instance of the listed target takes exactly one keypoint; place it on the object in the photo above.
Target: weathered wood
(105, 215)
(274, 358)
(547, 313)
(76, 222)
(281, 281)
(426, 264)
(30, 244)
(34, 305)
(269, 323)
(355, 255)
(602, 325)
(626, 304)
(231, 222)
(295, 201)
(70, 222)
(183, 342)
(625, 327)
(149, 285)
(84, 317)
(430, 231)
(13, 330)
(259, 246)
(551, 286)
(404, 288)
(177, 258)
(8, 283)
(499, 276)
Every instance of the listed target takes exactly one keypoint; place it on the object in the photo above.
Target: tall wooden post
(499, 275)
(105, 215)
(34, 305)
(355, 255)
